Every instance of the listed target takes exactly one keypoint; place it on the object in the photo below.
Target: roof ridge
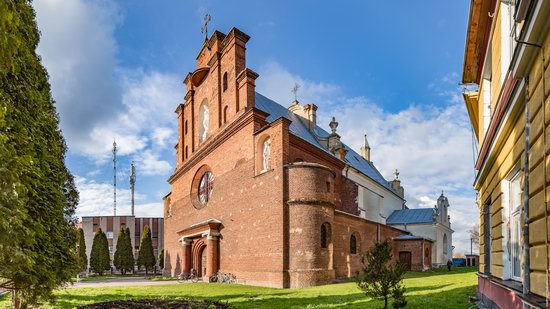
(298, 128)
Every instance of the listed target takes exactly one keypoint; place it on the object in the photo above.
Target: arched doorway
(199, 257)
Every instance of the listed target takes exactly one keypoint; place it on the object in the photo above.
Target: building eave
(477, 39)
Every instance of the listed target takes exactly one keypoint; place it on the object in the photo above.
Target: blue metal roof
(409, 216)
(298, 128)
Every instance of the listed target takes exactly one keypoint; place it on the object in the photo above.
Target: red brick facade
(262, 225)
(415, 254)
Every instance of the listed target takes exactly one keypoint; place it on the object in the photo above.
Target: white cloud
(430, 145)
(277, 83)
(161, 136)
(147, 118)
(79, 51)
(98, 101)
(96, 199)
(149, 164)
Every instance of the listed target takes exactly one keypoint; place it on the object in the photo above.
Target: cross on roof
(204, 28)
(396, 174)
(295, 91)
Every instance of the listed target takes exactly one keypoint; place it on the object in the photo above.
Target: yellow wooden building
(506, 71)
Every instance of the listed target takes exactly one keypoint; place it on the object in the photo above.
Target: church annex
(261, 191)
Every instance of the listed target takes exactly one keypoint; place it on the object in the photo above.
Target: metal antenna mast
(132, 182)
(114, 174)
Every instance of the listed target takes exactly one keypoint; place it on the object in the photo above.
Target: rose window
(205, 187)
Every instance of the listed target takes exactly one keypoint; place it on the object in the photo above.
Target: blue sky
(389, 68)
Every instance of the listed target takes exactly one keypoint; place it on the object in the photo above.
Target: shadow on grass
(450, 299)
(426, 288)
(439, 272)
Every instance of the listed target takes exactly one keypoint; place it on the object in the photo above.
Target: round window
(205, 187)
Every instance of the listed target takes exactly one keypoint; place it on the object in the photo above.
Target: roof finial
(396, 174)
(333, 125)
(366, 141)
(295, 91)
(204, 28)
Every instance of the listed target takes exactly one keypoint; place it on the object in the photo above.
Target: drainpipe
(527, 262)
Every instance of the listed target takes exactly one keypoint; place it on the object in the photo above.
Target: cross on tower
(295, 91)
(396, 174)
(204, 28)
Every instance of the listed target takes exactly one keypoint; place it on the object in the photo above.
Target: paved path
(123, 281)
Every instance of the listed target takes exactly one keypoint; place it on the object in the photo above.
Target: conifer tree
(38, 200)
(81, 247)
(124, 256)
(381, 277)
(128, 261)
(118, 250)
(99, 258)
(146, 257)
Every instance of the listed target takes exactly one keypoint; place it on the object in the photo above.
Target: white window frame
(511, 225)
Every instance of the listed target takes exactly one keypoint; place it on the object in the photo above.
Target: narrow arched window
(224, 81)
(185, 127)
(445, 244)
(325, 235)
(225, 112)
(353, 245)
(186, 153)
(266, 154)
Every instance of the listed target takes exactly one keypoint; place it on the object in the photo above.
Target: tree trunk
(386, 302)
(15, 300)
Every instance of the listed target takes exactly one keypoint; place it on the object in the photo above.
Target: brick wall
(345, 225)
(420, 252)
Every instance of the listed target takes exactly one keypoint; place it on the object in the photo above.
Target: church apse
(311, 215)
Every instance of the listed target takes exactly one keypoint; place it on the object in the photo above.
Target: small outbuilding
(472, 260)
(414, 252)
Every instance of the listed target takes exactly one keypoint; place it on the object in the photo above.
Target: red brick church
(261, 191)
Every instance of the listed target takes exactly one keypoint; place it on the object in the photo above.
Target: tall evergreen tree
(127, 254)
(118, 250)
(146, 257)
(100, 260)
(38, 200)
(81, 251)
(124, 257)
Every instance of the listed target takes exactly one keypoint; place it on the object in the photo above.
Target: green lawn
(433, 289)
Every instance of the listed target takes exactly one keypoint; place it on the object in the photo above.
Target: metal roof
(410, 216)
(411, 237)
(298, 128)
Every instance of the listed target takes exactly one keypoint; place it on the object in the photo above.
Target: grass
(162, 278)
(93, 278)
(434, 289)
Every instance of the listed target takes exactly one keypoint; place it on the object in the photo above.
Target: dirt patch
(156, 303)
